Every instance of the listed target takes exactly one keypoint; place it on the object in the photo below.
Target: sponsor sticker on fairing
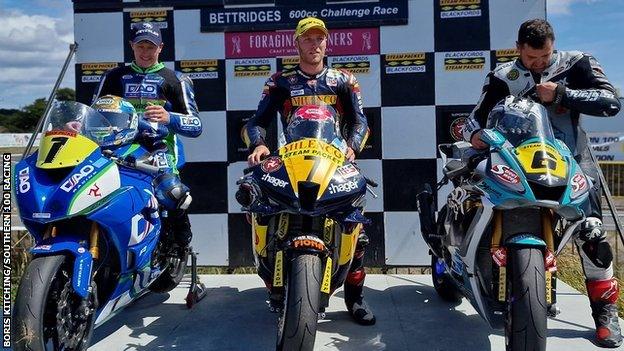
(274, 181)
(271, 164)
(348, 171)
(24, 180)
(579, 183)
(505, 174)
(345, 187)
(74, 179)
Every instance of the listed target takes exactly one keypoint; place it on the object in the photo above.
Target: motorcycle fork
(93, 241)
(550, 263)
(499, 256)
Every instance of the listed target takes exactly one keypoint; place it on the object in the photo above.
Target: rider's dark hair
(535, 32)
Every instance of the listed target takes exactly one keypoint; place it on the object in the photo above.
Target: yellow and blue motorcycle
(306, 204)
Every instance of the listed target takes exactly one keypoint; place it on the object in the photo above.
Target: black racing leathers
(287, 90)
(581, 88)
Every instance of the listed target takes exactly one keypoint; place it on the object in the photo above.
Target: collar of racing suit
(311, 76)
(151, 69)
(553, 59)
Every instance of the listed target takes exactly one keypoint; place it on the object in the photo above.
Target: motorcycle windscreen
(542, 163)
(311, 160)
(61, 148)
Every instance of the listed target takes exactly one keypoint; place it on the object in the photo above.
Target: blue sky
(35, 35)
(593, 26)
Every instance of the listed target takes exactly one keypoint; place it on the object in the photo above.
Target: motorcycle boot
(602, 289)
(603, 295)
(181, 227)
(354, 286)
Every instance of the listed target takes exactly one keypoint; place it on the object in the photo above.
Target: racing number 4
(57, 143)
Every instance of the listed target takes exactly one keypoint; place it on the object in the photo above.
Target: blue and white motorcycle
(512, 210)
(100, 241)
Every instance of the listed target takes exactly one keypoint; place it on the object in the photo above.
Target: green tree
(66, 94)
(25, 120)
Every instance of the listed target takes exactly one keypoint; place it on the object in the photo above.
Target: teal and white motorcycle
(512, 210)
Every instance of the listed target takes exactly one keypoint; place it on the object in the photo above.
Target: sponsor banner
(252, 68)
(92, 72)
(401, 72)
(405, 63)
(156, 17)
(450, 122)
(354, 64)
(208, 77)
(460, 8)
(162, 19)
(461, 25)
(389, 12)
(464, 61)
(608, 147)
(17, 139)
(287, 63)
(355, 41)
(88, 76)
(200, 69)
(498, 57)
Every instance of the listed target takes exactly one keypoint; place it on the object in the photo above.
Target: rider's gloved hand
(256, 156)
(350, 155)
(73, 126)
(476, 141)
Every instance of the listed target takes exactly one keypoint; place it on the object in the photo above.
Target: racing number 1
(57, 143)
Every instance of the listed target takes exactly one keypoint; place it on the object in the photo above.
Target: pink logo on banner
(354, 41)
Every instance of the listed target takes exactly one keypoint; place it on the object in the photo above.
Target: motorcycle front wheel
(48, 314)
(525, 327)
(298, 322)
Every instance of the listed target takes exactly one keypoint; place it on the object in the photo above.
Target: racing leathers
(284, 92)
(158, 85)
(582, 87)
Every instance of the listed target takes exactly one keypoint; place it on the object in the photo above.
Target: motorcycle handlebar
(371, 182)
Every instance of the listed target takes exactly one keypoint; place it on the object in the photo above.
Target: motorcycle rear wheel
(299, 319)
(525, 327)
(48, 314)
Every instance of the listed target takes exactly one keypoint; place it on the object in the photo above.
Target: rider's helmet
(116, 125)
(516, 117)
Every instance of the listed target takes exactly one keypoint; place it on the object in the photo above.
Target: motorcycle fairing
(311, 160)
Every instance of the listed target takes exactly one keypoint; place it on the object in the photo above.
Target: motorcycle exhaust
(426, 212)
